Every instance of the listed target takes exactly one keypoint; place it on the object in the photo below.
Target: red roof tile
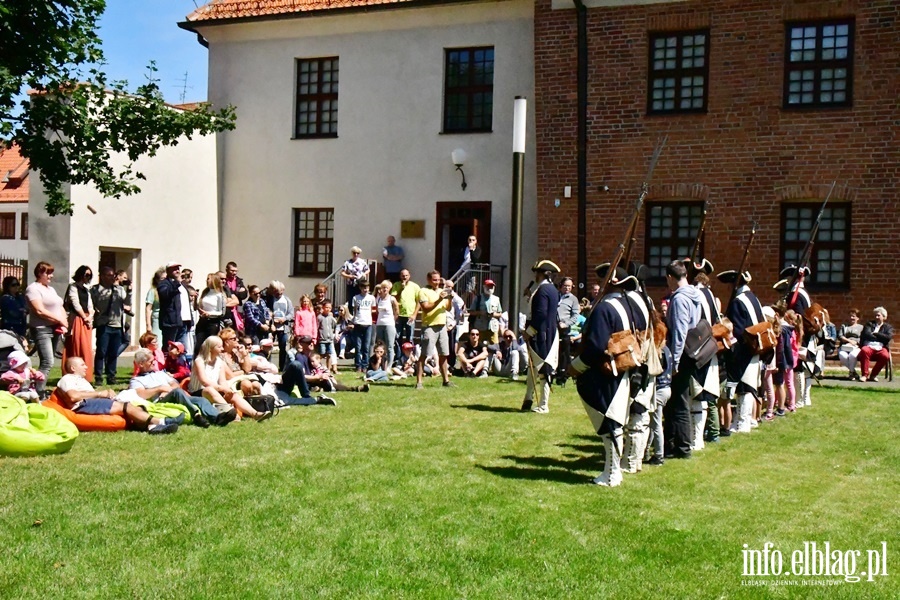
(13, 175)
(223, 10)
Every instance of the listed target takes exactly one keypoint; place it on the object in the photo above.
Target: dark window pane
(313, 243)
(678, 71)
(671, 230)
(468, 89)
(317, 90)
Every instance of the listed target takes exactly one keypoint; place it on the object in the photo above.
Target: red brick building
(764, 102)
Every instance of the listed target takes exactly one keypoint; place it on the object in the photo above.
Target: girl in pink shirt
(305, 319)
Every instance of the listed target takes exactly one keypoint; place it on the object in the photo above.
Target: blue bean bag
(32, 429)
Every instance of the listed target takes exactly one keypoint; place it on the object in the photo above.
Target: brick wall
(747, 154)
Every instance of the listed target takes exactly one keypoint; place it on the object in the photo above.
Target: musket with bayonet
(623, 250)
(806, 256)
(737, 277)
(695, 249)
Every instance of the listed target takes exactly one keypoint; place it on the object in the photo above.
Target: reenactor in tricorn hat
(604, 390)
(744, 366)
(542, 336)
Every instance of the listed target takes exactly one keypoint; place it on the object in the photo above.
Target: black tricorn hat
(704, 266)
(791, 270)
(782, 285)
(545, 266)
(732, 275)
(640, 271)
(620, 277)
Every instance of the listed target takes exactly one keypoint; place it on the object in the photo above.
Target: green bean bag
(32, 429)
(164, 409)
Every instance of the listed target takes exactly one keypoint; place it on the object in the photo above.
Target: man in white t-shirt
(361, 308)
(80, 397)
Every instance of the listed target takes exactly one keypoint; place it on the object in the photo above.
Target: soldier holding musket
(604, 389)
(542, 336)
(744, 311)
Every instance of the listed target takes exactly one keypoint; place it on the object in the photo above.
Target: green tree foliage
(73, 119)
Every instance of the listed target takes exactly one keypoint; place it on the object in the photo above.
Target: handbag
(624, 352)
(262, 403)
(699, 344)
(760, 337)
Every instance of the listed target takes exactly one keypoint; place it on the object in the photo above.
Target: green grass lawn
(446, 494)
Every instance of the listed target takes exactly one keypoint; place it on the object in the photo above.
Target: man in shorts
(434, 302)
(84, 399)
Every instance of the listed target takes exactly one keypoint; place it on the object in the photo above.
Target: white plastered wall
(390, 161)
(174, 217)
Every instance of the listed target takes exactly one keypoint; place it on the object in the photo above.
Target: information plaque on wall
(412, 229)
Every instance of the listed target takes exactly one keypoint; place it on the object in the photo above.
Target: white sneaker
(540, 409)
(754, 424)
(515, 378)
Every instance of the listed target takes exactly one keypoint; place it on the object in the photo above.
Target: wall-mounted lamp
(459, 159)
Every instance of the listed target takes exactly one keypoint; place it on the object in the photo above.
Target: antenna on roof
(185, 87)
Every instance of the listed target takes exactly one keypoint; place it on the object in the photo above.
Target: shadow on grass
(486, 408)
(559, 476)
(547, 468)
(586, 448)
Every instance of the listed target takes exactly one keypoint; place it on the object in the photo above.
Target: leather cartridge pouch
(624, 351)
(760, 337)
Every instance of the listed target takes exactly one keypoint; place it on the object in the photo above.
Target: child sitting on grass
(409, 358)
(176, 362)
(377, 370)
(19, 380)
(320, 377)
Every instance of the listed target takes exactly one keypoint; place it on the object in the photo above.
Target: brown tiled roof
(223, 10)
(13, 175)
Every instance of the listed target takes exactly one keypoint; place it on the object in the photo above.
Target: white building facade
(173, 218)
(346, 121)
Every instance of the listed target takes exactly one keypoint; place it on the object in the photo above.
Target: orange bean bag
(84, 422)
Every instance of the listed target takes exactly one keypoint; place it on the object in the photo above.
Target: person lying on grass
(160, 386)
(208, 380)
(80, 397)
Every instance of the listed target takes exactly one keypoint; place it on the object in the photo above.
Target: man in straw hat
(604, 390)
(744, 367)
(542, 336)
